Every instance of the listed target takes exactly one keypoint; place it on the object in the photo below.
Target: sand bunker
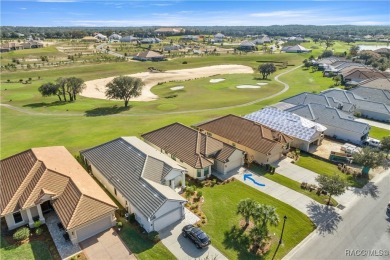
(216, 80)
(96, 88)
(262, 84)
(177, 88)
(248, 86)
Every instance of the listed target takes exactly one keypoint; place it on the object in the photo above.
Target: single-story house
(367, 107)
(295, 49)
(199, 153)
(173, 47)
(149, 56)
(218, 37)
(303, 131)
(262, 40)
(114, 37)
(40, 180)
(129, 39)
(261, 143)
(100, 37)
(141, 178)
(339, 125)
(247, 46)
(361, 74)
(190, 38)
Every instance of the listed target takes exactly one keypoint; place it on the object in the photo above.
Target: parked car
(197, 236)
(373, 142)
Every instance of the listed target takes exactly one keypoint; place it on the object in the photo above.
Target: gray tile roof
(123, 164)
(358, 101)
(330, 116)
(372, 94)
(308, 98)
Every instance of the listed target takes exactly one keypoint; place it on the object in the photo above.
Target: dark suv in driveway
(198, 237)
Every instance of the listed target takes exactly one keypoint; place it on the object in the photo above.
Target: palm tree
(257, 235)
(264, 215)
(245, 208)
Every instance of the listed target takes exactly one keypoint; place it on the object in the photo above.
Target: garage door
(233, 165)
(166, 220)
(94, 228)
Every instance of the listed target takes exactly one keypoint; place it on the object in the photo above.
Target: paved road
(286, 87)
(374, 123)
(364, 226)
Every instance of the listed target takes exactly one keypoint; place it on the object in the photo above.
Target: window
(18, 217)
(115, 192)
(206, 171)
(199, 173)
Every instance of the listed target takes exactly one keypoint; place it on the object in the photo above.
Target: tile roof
(379, 83)
(129, 168)
(246, 132)
(358, 101)
(185, 143)
(372, 94)
(27, 176)
(287, 123)
(330, 116)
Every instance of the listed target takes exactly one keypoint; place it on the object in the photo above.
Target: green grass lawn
(220, 208)
(291, 184)
(141, 246)
(38, 250)
(378, 133)
(329, 169)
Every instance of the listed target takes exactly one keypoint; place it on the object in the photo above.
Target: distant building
(114, 37)
(149, 56)
(167, 30)
(129, 39)
(295, 49)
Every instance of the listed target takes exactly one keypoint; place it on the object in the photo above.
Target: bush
(38, 231)
(199, 194)
(132, 218)
(184, 62)
(119, 224)
(37, 224)
(154, 236)
(21, 234)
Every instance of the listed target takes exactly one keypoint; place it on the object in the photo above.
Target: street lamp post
(281, 235)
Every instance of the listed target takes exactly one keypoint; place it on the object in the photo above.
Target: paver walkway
(106, 245)
(182, 247)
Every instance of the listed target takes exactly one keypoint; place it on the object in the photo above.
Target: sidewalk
(374, 123)
(282, 193)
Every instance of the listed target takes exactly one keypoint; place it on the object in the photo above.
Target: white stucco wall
(11, 222)
(343, 134)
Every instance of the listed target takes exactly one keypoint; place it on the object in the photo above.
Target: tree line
(63, 88)
(335, 31)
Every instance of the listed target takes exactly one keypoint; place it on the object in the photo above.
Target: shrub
(38, 231)
(119, 224)
(184, 62)
(21, 234)
(132, 218)
(154, 236)
(37, 224)
(199, 194)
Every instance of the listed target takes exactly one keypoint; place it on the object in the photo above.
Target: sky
(192, 13)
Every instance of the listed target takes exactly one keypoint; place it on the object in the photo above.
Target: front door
(46, 206)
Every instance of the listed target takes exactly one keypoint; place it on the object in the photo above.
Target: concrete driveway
(182, 247)
(106, 245)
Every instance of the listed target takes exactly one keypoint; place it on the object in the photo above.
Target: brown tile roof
(379, 83)
(364, 73)
(27, 176)
(245, 132)
(185, 143)
(225, 153)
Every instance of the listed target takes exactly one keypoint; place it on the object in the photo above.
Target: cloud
(23, 8)
(281, 14)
